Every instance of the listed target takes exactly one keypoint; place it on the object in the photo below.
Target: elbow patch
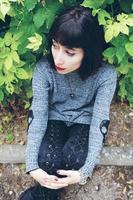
(104, 128)
(30, 118)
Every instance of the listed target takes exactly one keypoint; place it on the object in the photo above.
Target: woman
(69, 116)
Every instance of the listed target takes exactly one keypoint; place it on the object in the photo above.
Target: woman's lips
(59, 68)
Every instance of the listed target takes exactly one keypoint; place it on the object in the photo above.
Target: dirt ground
(111, 182)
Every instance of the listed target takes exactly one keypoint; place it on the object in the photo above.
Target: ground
(111, 182)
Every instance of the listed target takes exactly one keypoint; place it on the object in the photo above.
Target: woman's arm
(99, 122)
(38, 116)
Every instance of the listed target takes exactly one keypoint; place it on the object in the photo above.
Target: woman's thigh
(75, 150)
(50, 152)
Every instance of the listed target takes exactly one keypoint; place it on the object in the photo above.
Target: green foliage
(23, 37)
(22, 167)
(118, 27)
(9, 137)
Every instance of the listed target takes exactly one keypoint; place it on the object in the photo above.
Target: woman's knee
(50, 156)
(72, 159)
(75, 150)
(50, 163)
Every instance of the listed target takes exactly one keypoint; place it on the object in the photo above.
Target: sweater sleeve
(99, 122)
(38, 116)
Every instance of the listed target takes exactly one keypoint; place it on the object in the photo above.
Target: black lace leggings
(62, 147)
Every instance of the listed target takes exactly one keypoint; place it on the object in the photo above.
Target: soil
(110, 182)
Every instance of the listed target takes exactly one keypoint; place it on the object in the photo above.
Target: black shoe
(34, 193)
(53, 194)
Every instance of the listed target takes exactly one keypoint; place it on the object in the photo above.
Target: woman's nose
(59, 60)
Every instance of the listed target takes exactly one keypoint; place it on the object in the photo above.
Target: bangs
(76, 27)
(69, 35)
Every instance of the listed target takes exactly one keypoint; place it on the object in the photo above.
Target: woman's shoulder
(43, 64)
(107, 71)
(43, 67)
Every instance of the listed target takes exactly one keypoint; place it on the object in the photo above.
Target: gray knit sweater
(90, 105)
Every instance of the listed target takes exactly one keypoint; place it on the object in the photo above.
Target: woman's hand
(73, 176)
(46, 180)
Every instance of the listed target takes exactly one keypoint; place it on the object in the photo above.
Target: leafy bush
(24, 26)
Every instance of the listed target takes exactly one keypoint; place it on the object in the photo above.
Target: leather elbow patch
(104, 128)
(30, 118)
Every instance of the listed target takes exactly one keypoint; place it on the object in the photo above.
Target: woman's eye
(55, 46)
(70, 54)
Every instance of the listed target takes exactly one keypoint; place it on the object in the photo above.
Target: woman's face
(66, 60)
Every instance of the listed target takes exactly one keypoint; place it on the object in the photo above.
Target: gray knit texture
(51, 100)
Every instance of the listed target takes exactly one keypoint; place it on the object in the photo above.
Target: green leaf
(35, 42)
(8, 63)
(12, 12)
(124, 28)
(17, 35)
(110, 60)
(1, 65)
(129, 48)
(14, 45)
(122, 17)
(29, 29)
(122, 92)
(15, 56)
(110, 52)
(123, 69)
(4, 7)
(130, 73)
(9, 137)
(39, 17)
(21, 73)
(121, 40)
(2, 17)
(8, 39)
(9, 77)
(109, 34)
(2, 79)
(131, 38)
(102, 14)
(1, 42)
(126, 6)
(50, 12)
(120, 53)
(95, 11)
(116, 29)
(1, 95)
(5, 51)
(130, 98)
(108, 1)
(10, 88)
(27, 105)
(22, 167)
(29, 93)
(20, 64)
(92, 3)
(30, 4)
(129, 22)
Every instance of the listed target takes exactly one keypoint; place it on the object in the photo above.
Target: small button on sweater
(52, 100)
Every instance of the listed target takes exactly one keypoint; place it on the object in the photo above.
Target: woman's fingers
(58, 182)
(73, 176)
(64, 180)
(54, 185)
(50, 178)
(51, 181)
